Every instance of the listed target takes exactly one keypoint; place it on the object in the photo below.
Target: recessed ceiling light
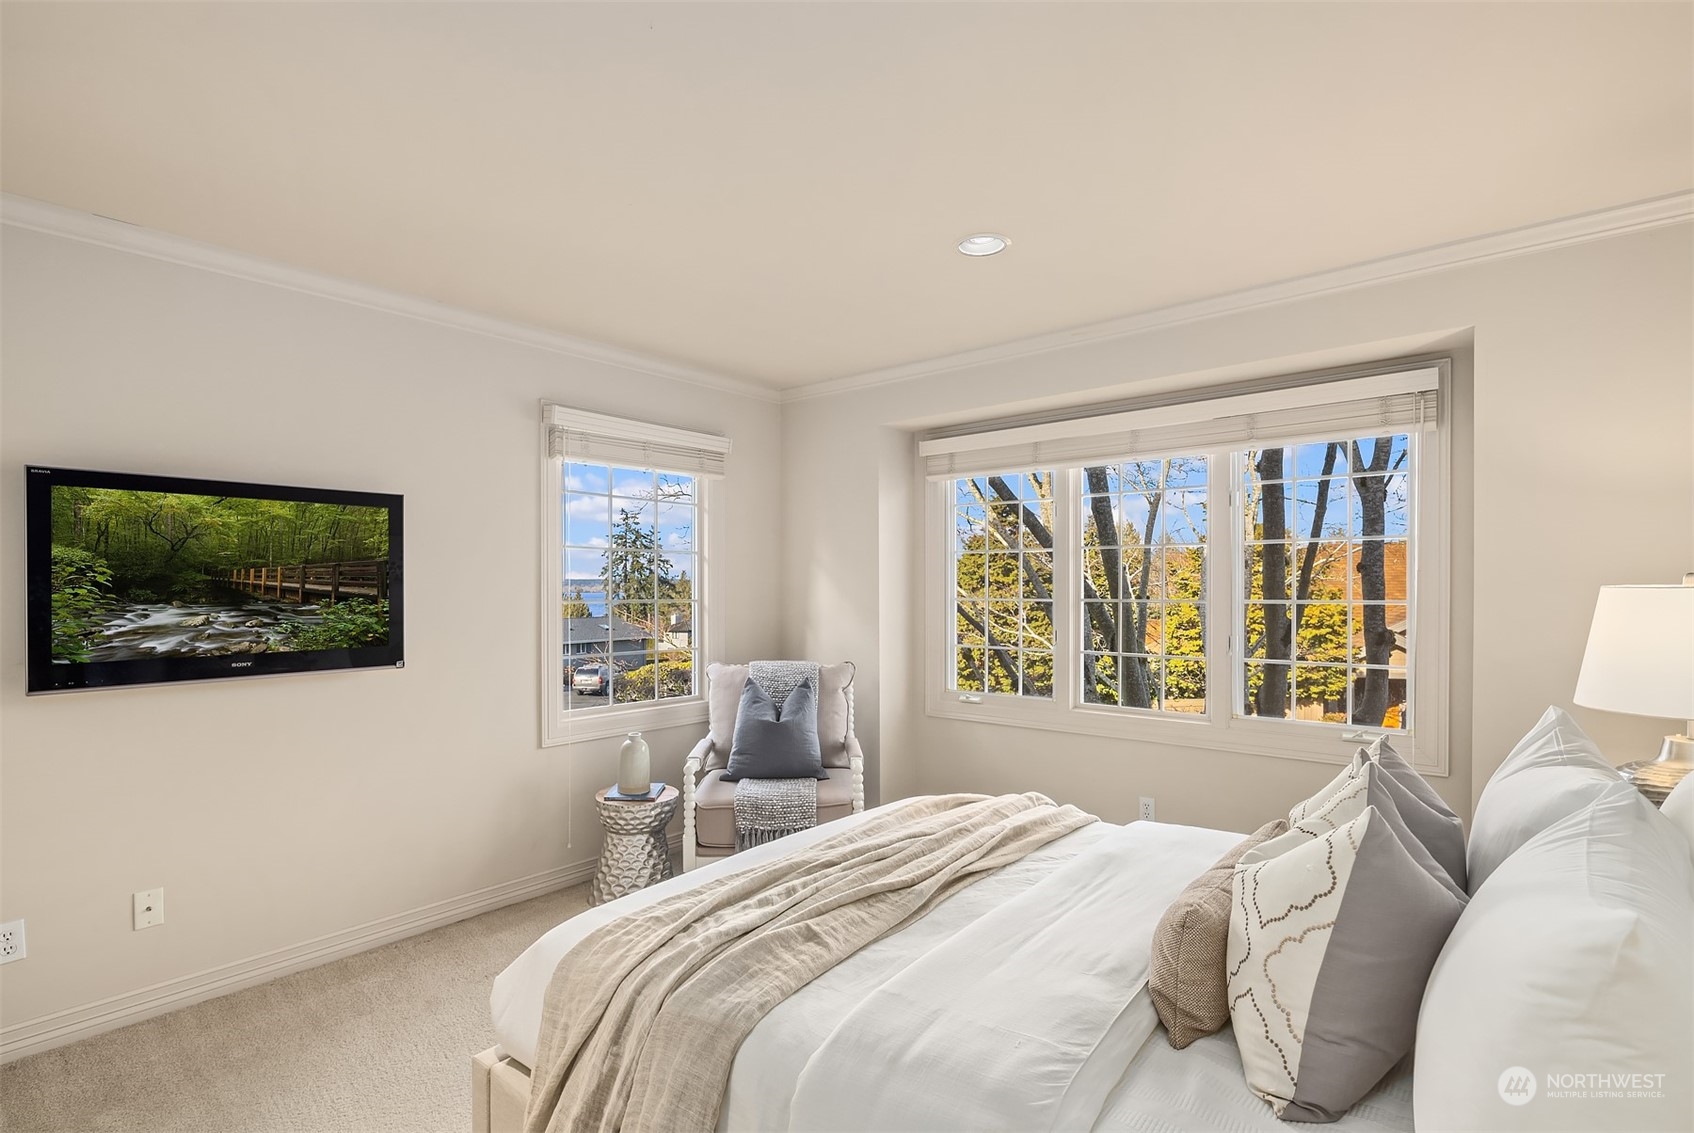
(983, 244)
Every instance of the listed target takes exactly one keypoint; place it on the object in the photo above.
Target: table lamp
(1640, 660)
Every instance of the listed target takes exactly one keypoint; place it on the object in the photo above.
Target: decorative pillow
(1187, 979)
(1326, 794)
(1330, 944)
(1552, 773)
(1426, 813)
(1372, 786)
(772, 744)
(1679, 808)
(724, 685)
(1562, 1000)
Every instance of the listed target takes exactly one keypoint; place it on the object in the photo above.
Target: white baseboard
(45, 1032)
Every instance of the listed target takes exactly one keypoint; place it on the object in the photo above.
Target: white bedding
(1017, 1003)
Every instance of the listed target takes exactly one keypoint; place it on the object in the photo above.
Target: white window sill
(600, 723)
(1277, 740)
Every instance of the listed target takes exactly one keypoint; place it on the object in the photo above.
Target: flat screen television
(147, 579)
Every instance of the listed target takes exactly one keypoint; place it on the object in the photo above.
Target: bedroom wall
(282, 811)
(1574, 468)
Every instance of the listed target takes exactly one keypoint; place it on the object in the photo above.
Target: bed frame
(499, 1092)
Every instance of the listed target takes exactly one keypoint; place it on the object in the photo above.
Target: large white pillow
(1679, 808)
(1554, 771)
(1575, 960)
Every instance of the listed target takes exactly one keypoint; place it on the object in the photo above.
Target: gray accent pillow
(1372, 786)
(1425, 813)
(1186, 978)
(1330, 946)
(724, 687)
(776, 744)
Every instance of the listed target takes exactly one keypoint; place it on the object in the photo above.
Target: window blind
(596, 438)
(1402, 401)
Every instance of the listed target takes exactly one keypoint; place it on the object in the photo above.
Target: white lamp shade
(1640, 656)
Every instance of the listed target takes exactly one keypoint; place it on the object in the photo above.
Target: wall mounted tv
(147, 579)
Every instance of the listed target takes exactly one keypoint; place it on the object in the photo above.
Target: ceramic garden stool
(636, 853)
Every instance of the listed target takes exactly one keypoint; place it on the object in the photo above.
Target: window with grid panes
(1266, 581)
(1003, 576)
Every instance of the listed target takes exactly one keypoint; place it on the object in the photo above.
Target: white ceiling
(774, 191)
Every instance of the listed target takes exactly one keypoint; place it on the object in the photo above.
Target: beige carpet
(380, 1041)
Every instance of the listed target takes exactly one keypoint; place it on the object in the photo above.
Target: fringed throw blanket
(768, 809)
(643, 1017)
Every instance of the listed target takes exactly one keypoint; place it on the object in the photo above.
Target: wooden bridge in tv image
(328, 583)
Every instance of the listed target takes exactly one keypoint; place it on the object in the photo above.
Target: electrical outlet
(1147, 809)
(149, 908)
(12, 942)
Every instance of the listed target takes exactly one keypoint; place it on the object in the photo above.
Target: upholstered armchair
(708, 800)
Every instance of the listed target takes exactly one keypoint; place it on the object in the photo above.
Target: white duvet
(1018, 1003)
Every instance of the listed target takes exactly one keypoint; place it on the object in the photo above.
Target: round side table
(636, 853)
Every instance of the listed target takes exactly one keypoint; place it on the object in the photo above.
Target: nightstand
(636, 853)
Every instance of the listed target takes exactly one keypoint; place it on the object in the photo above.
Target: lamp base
(1656, 778)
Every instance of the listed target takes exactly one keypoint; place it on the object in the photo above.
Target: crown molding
(1673, 208)
(89, 228)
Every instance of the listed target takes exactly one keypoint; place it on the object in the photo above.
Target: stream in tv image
(139, 575)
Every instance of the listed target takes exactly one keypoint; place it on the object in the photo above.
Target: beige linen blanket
(643, 1017)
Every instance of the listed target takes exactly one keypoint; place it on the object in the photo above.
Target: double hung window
(1263, 571)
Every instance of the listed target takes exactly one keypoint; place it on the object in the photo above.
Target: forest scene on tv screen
(147, 575)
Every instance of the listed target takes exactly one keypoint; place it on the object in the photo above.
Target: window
(628, 589)
(1263, 571)
(1003, 620)
(624, 601)
(1143, 552)
(1326, 594)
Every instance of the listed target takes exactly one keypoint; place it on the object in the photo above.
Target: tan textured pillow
(1187, 977)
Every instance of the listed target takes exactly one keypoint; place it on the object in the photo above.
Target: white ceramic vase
(635, 767)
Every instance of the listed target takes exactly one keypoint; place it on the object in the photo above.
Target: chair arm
(856, 763)
(690, 778)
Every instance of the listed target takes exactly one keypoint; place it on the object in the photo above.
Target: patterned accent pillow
(1186, 976)
(1330, 945)
(1429, 839)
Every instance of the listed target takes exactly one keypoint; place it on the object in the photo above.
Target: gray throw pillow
(773, 744)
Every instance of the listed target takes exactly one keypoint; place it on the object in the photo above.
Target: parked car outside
(592, 680)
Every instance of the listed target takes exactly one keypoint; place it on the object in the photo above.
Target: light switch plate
(149, 908)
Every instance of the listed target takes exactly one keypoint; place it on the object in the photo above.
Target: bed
(1021, 1001)
(1132, 1080)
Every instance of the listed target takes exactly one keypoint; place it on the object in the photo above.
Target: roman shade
(1398, 402)
(596, 438)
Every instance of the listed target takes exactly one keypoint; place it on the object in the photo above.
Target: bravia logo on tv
(1516, 1085)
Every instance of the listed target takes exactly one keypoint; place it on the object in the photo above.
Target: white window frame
(1219, 727)
(630, 444)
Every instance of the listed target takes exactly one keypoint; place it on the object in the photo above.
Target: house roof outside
(578, 630)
